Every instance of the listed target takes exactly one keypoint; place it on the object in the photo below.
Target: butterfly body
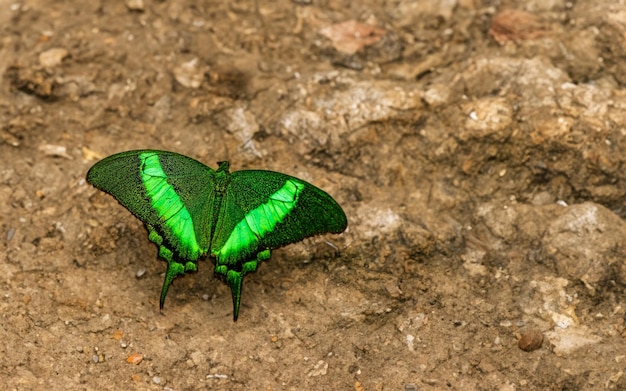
(192, 211)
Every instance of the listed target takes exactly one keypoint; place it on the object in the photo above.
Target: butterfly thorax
(219, 190)
(223, 167)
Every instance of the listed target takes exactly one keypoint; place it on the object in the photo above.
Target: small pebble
(530, 340)
(135, 358)
(55, 151)
(10, 234)
(52, 57)
(135, 5)
(140, 273)
(319, 369)
(217, 376)
(189, 74)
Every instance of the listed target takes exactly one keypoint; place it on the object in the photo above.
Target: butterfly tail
(174, 269)
(235, 281)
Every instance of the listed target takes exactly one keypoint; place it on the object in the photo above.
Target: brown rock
(530, 340)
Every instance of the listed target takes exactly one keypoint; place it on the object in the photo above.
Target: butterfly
(192, 211)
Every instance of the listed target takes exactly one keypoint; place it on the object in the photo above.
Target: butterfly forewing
(170, 192)
(265, 209)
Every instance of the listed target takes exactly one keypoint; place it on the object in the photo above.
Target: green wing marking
(258, 222)
(168, 205)
(191, 211)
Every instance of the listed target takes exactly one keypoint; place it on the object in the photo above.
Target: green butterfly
(192, 211)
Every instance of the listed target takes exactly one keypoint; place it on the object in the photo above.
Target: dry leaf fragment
(134, 358)
(90, 154)
(52, 57)
(55, 151)
(351, 36)
(514, 25)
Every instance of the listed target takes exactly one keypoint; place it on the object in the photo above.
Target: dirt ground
(477, 148)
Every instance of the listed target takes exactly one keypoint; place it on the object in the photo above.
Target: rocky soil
(477, 148)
